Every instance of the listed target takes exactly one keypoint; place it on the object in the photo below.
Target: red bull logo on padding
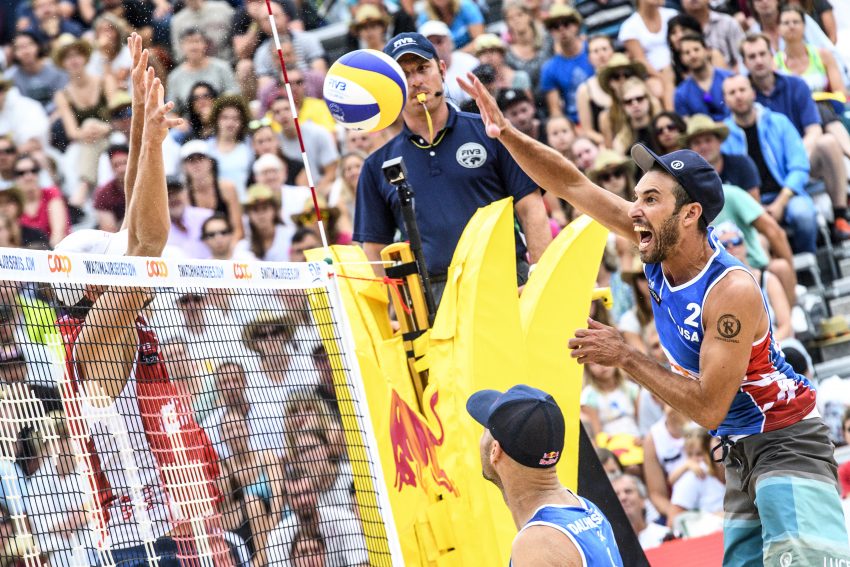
(415, 447)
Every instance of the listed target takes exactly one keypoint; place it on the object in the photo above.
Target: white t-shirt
(462, 63)
(698, 494)
(654, 44)
(345, 545)
(616, 409)
(319, 145)
(652, 535)
(669, 450)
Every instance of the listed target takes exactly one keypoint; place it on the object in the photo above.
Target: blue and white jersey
(586, 526)
(771, 395)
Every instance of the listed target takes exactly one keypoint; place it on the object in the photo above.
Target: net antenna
(294, 108)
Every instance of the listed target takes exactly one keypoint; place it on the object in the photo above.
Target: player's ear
(693, 212)
(496, 452)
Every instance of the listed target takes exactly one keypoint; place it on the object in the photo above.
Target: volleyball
(365, 90)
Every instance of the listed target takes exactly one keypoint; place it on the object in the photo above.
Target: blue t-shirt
(691, 99)
(566, 74)
(463, 171)
(586, 526)
(741, 171)
(469, 14)
(791, 96)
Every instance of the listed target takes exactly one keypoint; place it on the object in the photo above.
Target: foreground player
(149, 466)
(522, 442)
(782, 505)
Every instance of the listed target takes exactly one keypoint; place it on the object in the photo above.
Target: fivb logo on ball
(365, 90)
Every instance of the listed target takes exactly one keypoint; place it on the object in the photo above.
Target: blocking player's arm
(731, 326)
(549, 169)
(137, 119)
(108, 342)
(539, 546)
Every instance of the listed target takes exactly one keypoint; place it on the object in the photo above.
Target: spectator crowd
(756, 87)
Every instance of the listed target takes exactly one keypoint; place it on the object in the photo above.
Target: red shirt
(40, 220)
(844, 478)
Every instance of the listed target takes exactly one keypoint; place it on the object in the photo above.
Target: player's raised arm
(549, 169)
(137, 120)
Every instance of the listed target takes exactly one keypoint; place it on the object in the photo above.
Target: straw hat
(268, 320)
(562, 12)
(488, 41)
(258, 193)
(618, 62)
(369, 13)
(703, 124)
(307, 216)
(609, 159)
(67, 42)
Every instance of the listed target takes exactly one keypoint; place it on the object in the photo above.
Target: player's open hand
(140, 66)
(494, 121)
(157, 119)
(599, 344)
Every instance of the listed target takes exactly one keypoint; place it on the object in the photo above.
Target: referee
(453, 167)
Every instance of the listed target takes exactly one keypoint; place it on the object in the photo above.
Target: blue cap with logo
(410, 42)
(691, 171)
(526, 422)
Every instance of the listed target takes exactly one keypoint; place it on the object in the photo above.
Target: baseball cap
(410, 42)
(691, 171)
(509, 97)
(194, 147)
(434, 27)
(526, 422)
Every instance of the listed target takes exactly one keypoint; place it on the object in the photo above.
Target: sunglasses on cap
(609, 175)
(734, 241)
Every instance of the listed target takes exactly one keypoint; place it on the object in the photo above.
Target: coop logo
(58, 264)
(242, 272)
(157, 269)
(415, 448)
(471, 155)
(403, 41)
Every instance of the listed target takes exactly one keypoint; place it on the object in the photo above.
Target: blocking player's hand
(140, 66)
(494, 121)
(599, 344)
(157, 120)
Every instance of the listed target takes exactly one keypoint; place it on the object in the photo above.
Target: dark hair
(691, 36)
(302, 233)
(682, 199)
(792, 8)
(232, 101)
(196, 123)
(216, 217)
(606, 455)
(117, 149)
(692, 27)
(255, 239)
(42, 47)
(754, 38)
(675, 118)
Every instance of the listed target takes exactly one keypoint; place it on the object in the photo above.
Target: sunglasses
(8, 151)
(259, 123)
(736, 241)
(560, 24)
(310, 218)
(269, 333)
(191, 298)
(667, 128)
(609, 175)
(22, 172)
(621, 75)
(216, 233)
(634, 99)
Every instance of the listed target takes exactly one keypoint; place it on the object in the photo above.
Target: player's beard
(665, 240)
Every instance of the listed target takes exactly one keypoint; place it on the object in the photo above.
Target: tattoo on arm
(728, 327)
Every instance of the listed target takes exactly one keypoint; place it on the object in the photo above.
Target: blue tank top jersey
(772, 395)
(586, 526)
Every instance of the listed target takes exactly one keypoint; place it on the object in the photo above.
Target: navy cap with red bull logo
(691, 171)
(526, 422)
(410, 42)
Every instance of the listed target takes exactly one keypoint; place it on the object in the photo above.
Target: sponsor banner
(47, 266)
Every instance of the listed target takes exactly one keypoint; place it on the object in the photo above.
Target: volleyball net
(236, 434)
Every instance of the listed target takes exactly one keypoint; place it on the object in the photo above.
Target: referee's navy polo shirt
(463, 171)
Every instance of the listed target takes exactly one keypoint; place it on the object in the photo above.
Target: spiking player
(149, 466)
(782, 505)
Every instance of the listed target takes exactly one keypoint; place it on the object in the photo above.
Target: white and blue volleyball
(365, 90)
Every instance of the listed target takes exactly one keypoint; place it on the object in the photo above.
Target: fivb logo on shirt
(471, 155)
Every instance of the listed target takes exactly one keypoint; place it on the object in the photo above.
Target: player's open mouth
(645, 237)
